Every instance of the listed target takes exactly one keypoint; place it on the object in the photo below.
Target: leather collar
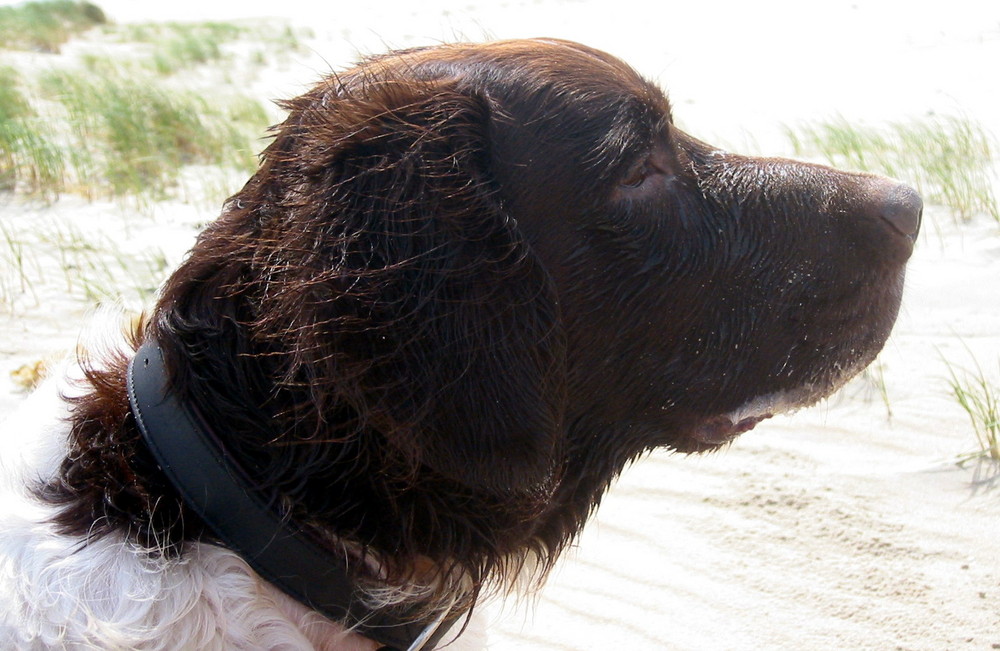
(211, 483)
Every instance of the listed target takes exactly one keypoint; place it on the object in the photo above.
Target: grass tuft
(180, 46)
(12, 103)
(105, 128)
(980, 399)
(120, 136)
(188, 45)
(45, 26)
(875, 376)
(27, 154)
(949, 159)
(14, 279)
(87, 266)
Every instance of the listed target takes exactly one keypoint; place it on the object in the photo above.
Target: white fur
(61, 592)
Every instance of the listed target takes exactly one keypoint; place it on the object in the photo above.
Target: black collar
(213, 484)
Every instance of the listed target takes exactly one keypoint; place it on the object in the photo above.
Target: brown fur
(467, 286)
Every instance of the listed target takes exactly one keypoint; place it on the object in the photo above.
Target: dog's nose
(902, 208)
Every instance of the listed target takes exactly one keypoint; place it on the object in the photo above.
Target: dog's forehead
(581, 70)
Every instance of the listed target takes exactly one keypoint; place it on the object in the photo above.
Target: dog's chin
(720, 430)
(709, 431)
(713, 432)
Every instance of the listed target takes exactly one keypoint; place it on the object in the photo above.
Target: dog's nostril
(902, 207)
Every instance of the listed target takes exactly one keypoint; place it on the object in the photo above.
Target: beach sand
(844, 526)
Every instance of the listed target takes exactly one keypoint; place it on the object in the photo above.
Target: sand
(845, 526)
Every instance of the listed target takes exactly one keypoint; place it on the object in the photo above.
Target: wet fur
(467, 286)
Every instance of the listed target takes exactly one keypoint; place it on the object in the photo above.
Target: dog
(467, 286)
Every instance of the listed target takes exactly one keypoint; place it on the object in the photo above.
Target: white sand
(837, 528)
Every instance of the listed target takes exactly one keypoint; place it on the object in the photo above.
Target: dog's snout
(901, 206)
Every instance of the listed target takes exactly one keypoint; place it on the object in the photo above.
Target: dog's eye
(636, 176)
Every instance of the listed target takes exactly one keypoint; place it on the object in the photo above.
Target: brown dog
(467, 286)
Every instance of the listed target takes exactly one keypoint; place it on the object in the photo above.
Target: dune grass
(40, 260)
(108, 130)
(190, 47)
(45, 26)
(107, 135)
(875, 376)
(979, 398)
(27, 154)
(13, 272)
(180, 46)
(129, 136)
(950, 160)
(103, 127)
(12, 103)
(97, 269)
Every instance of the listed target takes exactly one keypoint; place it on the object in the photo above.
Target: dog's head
(469, 283)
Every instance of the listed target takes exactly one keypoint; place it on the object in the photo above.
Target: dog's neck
(212, 484)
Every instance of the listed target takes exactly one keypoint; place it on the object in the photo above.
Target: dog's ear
(409, 306)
